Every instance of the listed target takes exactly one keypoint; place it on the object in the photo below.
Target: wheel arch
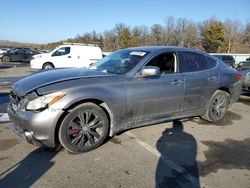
(228, 92)
(48, 62)
(226, 89)
(98, 102)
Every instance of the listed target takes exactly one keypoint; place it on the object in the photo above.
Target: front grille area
(14, 99)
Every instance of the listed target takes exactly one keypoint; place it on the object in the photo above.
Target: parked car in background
(245, 80)
(228, 59)
(244, 69)
(67, 55)
(244, 65)
(80, 107)
(3, 51)
(19, 54)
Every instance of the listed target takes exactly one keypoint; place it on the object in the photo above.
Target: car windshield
(119, 62)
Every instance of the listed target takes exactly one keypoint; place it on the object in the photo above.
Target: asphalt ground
(184, 153)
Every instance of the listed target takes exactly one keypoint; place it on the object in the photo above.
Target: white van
(67, 55)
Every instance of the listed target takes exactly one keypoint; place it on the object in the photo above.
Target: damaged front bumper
(37, 127)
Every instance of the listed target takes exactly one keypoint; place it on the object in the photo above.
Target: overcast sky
(52, 20)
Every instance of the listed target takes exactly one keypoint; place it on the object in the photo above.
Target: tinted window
(219, 57)
(61, 51)
(210, 62)
(191, 62)
(27, 52)
(19, 52)
(227, 57)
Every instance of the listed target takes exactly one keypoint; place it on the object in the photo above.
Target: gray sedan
(133, 87)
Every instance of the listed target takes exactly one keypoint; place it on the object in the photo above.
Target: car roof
(75, 45)
(159, 48)
(223, 55)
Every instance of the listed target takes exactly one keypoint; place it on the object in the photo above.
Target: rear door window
(210, 62)
(192, 62)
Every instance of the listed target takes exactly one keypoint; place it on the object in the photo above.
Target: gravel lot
(185, 153)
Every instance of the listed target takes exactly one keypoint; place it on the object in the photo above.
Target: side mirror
(150, 71)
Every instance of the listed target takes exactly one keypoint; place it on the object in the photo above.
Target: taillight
(238, 76)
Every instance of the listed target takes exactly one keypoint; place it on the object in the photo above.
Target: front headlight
(44, 101)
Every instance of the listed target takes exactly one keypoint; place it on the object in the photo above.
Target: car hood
(47, 77)
(41, 55)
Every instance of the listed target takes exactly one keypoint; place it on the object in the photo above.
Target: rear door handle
(177, 82)
(69, 56)
(212, 78)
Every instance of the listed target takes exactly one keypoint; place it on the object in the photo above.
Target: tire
(84, 128)
(217, 106)
(6, 59)
(48, 66)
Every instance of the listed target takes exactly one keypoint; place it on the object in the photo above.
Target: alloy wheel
(85, 129)
(6, 59)
(219, 106)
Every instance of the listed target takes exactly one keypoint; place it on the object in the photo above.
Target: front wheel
(48, 66)
(217, 106)
(84, 128)
(6, 59)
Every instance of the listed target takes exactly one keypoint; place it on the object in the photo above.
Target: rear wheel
(84, 128)
(217, 107)
(6, 59)
(48, 66)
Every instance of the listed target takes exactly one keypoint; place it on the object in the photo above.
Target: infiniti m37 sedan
(79, 107)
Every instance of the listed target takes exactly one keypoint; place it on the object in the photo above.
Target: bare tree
(245, 38)
(211, 35)
(157, 34)
(231, 35)
(169, 34)
(109, 41)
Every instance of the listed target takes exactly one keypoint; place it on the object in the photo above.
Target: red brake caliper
(74, 128)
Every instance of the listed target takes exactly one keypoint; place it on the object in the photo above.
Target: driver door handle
(177, 82)
(212, 78)
(69, 56)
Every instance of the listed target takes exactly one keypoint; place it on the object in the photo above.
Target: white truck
(67, 55)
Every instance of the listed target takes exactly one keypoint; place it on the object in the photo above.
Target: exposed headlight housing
(44, 101)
